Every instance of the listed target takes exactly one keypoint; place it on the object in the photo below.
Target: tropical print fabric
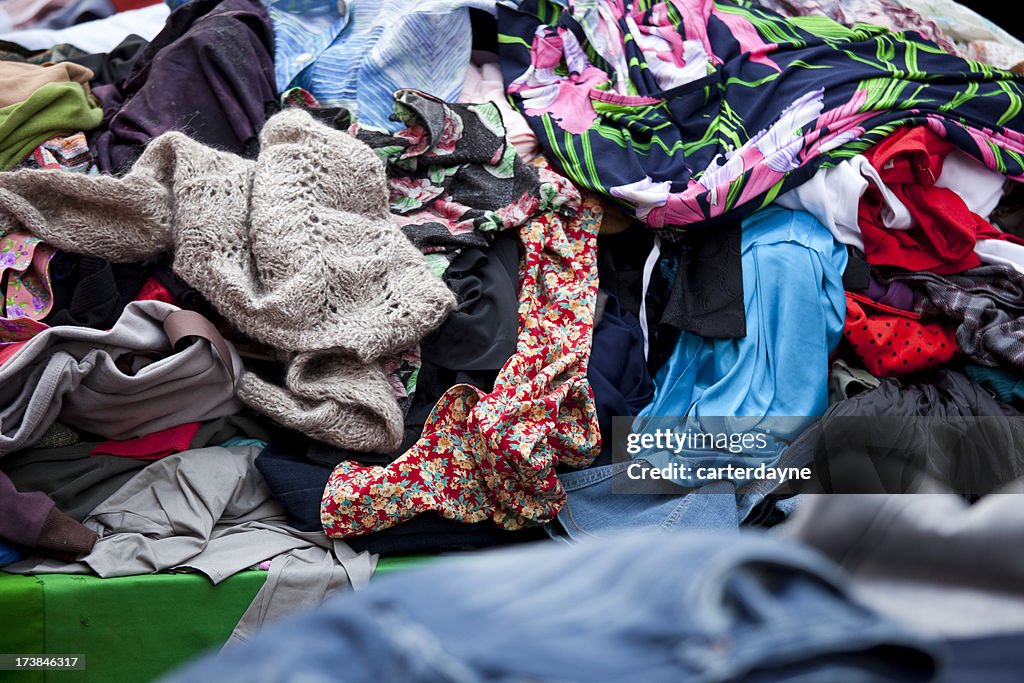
(453, 174)
(493, 455)
(686, 111)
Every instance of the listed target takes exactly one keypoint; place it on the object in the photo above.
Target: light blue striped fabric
(357, 54)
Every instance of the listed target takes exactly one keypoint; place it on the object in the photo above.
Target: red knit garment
(890, 341)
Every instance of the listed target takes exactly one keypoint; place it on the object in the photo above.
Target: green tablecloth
(129, 629)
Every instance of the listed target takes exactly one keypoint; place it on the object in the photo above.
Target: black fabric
(91, 292)
(469, 348)
(209, 73)
(857, 275)
(484, 26)
(187, 297)
(707, 295)
(431, 533)
(697, 287)
(111, 68)
(943, 433)
(481, 333)
(620, 266)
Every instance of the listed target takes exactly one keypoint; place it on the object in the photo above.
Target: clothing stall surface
(315, 302)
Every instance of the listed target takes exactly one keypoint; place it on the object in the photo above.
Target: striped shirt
(356, 54)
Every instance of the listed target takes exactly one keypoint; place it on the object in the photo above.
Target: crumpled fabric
(296, 249)
(944, 228)
(894, 15)
(493, 455)
(774, 380)
(453, 175)
(658, 608)
(937, 563)
(690, 112)
(119, 383)
(209, 74)
(892, 342)
(208, 510)
(941, 433)
(986, 304)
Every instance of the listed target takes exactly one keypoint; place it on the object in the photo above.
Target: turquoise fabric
(1007, 384)
(795, 311)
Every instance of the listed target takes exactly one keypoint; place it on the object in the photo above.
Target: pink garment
(151, 446)
(18, 14)
(484, 84)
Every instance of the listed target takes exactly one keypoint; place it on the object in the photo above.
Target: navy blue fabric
(618, 371)
(298, 485)
(988, 659)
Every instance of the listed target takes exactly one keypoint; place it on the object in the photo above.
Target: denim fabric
(699, 607)
(592, 508)
(992, 659)
(595, 504)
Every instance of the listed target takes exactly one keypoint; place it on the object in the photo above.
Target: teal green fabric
(1007, 385)
(54, 109)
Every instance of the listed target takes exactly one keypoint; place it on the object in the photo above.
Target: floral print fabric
(453, 178)
(453, 174)
(24, 271)
(493, 455)
(685, 112)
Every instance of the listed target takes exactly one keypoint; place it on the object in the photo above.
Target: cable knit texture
(296, 249)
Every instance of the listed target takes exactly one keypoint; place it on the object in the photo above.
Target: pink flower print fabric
(28, 298)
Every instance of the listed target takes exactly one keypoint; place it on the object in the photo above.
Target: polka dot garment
(890, 341)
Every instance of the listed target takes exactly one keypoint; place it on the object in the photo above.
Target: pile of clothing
(295, 284)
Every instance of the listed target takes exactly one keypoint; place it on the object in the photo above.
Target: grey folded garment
(122, 383)
(933, 561)
(297, 249)
(209, 510)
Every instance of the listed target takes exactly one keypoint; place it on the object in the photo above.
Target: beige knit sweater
(296, 249)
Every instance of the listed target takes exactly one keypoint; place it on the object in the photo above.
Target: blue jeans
(593, 507)
(693, 607)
